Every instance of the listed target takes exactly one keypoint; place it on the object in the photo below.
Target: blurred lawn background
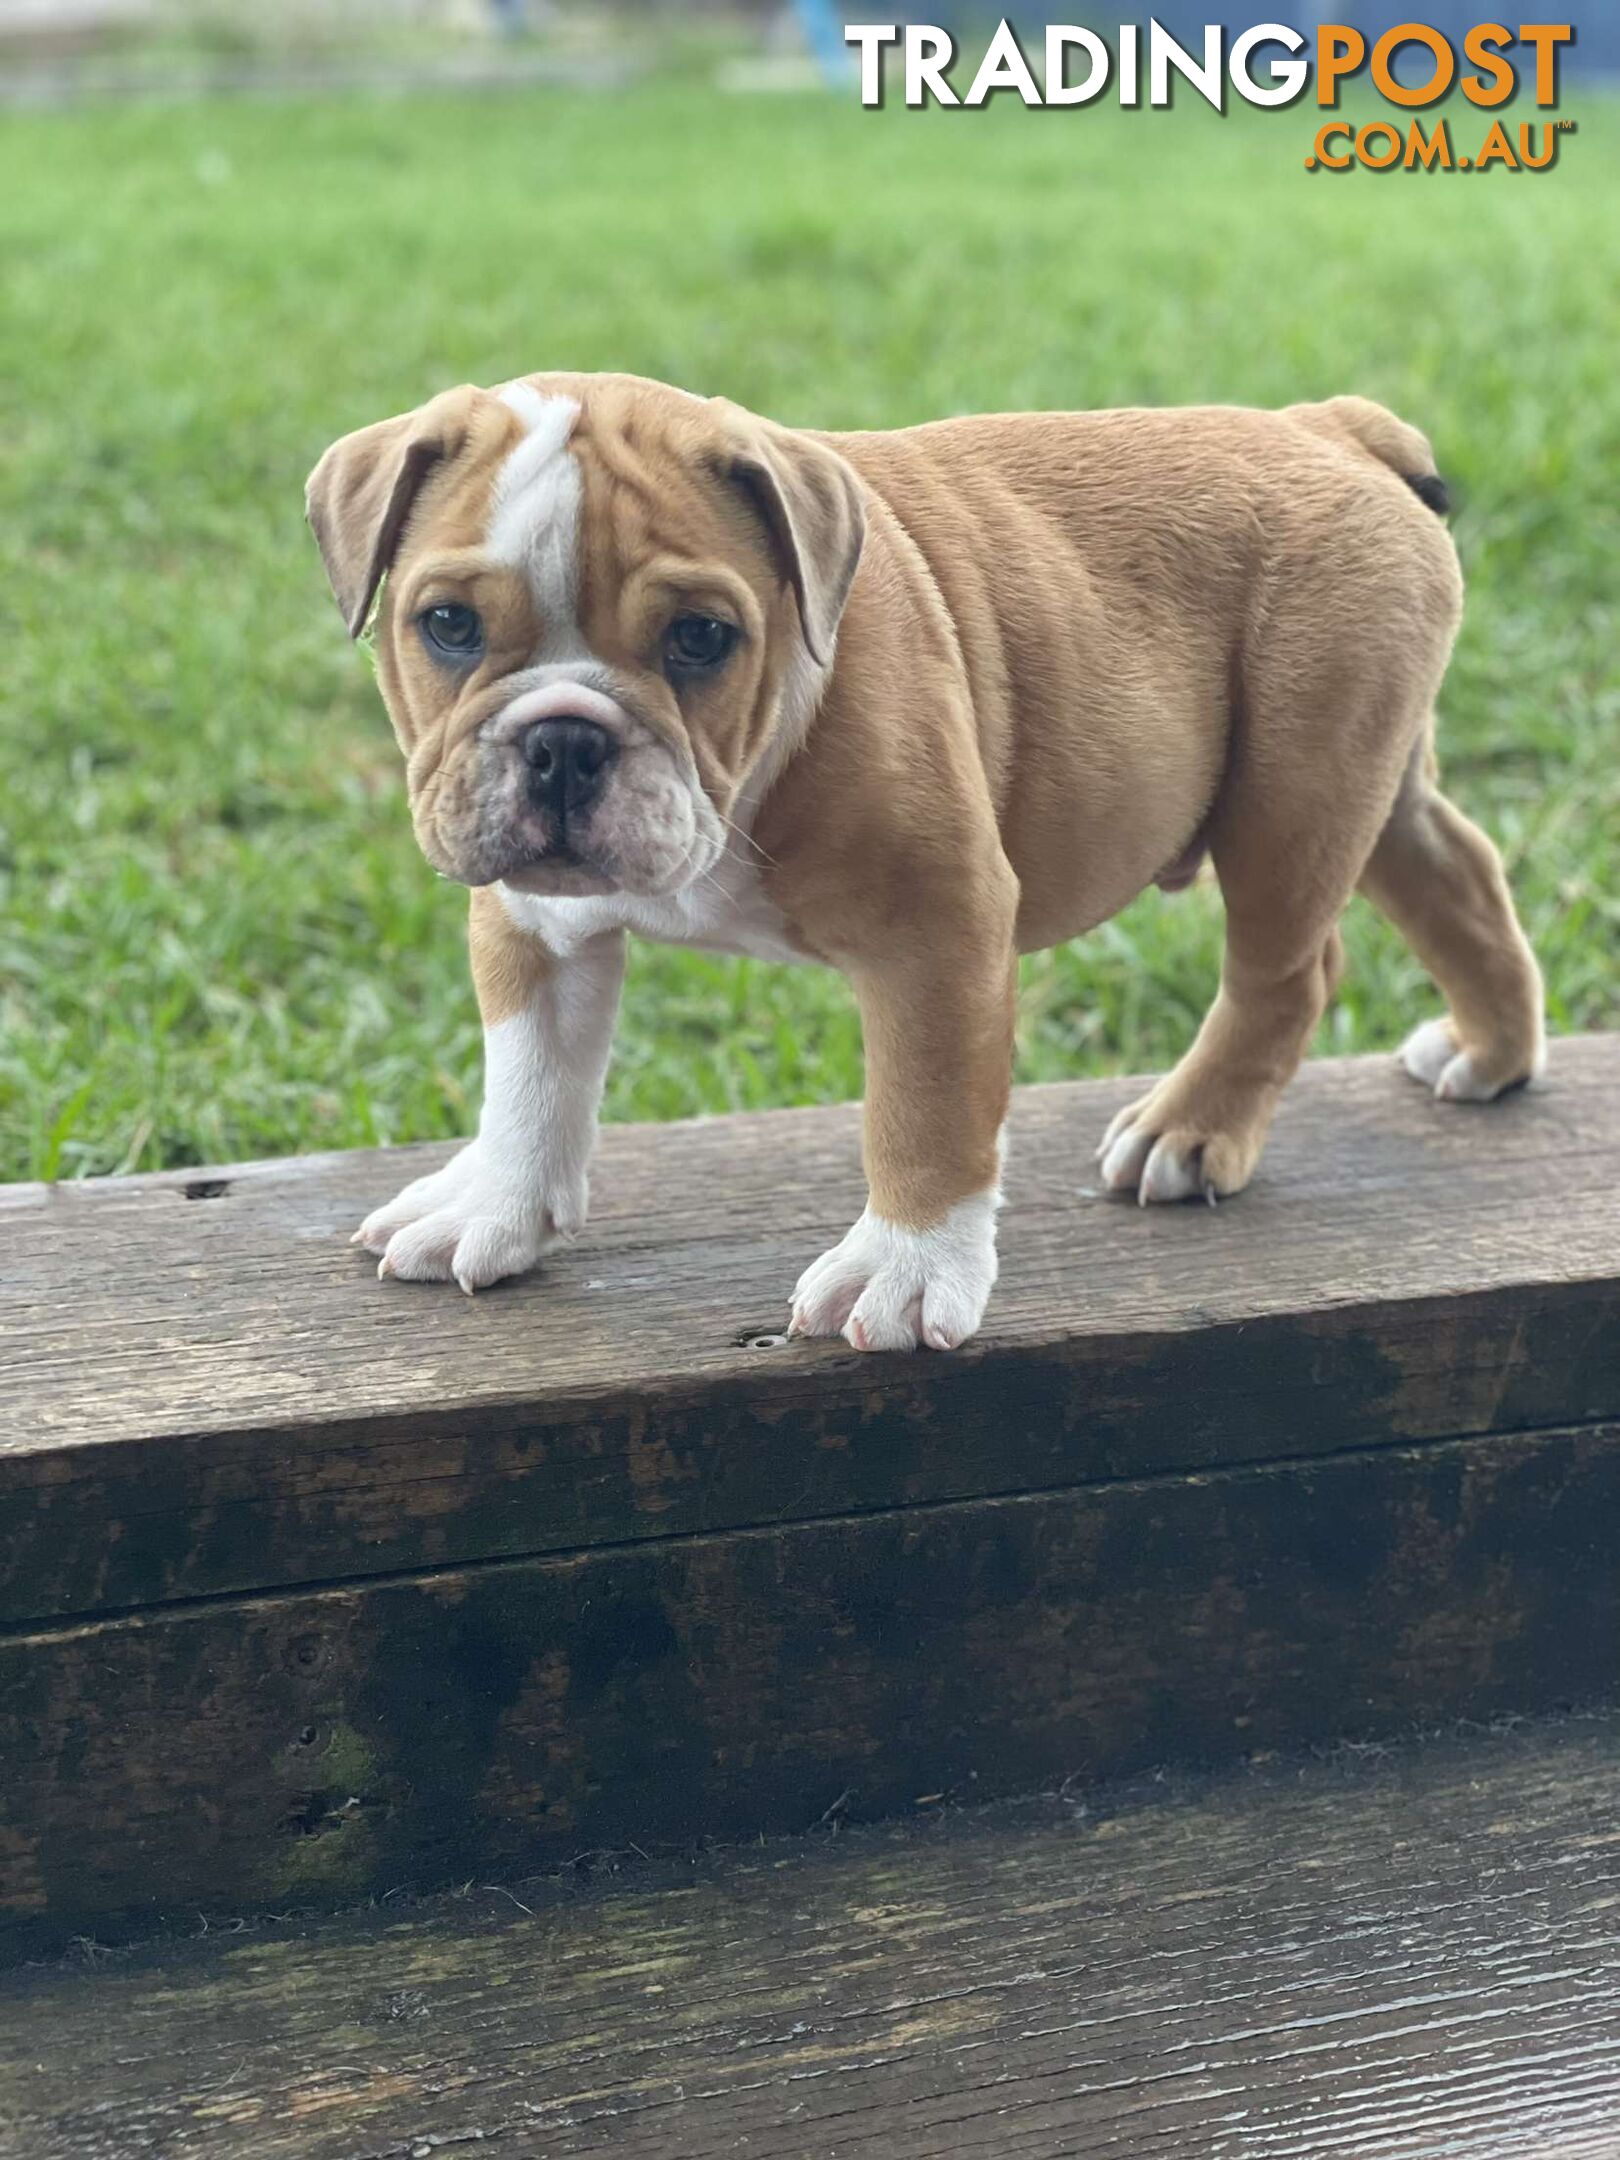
(217, 938)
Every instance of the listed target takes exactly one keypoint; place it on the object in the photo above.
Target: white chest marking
(535, 516)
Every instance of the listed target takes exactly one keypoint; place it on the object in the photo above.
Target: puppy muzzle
(565, 790)
(568, 737)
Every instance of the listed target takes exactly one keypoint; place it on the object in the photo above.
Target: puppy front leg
(521, 1184)
(920, 1264)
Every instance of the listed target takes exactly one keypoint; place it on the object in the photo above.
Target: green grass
(216, 936)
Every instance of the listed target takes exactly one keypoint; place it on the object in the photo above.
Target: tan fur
(663, 529)
(1077, 649)
(509, 967)
(367, 487)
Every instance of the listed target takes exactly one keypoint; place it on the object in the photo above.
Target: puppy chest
(726, 911)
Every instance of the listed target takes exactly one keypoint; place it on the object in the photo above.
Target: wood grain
(213, 1394)
(1393, 1956)
(318, 1745)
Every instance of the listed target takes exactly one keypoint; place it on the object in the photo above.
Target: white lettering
(1164, 53)
(925, 69)
(1059, 38)
(1287, 76)
(871, 38)
(1004, 68)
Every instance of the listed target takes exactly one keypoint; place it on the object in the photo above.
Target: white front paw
(472, 1222)
(888, 1288)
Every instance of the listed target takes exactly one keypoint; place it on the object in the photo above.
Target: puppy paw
(470, 1223)
(888, 1288)
(1163, 1157)
(1433, 1056)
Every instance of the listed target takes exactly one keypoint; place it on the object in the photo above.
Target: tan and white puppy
(908, 705)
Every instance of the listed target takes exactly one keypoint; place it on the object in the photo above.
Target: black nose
(567, 760)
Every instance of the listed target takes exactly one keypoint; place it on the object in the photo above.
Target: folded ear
(360, 494)
(814, 509)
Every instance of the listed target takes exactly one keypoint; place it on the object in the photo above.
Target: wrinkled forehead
(580, 486)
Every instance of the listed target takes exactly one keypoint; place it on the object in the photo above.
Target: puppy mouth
(538, 835)
(562, 869)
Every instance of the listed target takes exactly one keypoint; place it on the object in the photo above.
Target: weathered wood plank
(214, 1394)
(314, 1746)
(1390, 1957)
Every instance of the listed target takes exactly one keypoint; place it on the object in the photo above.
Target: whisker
(692, 870)
(747, 838)
(709, 878)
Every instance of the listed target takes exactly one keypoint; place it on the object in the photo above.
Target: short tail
(1373, 428)
(1431, 490)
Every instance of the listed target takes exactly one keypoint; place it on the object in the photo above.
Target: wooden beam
(1363, 1957)
(204, 1389)
(402, 1586)
(320, 1745)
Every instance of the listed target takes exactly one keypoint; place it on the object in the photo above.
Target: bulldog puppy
(909, 705)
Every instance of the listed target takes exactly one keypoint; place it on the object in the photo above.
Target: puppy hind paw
(1124, 1153)
(1174, 1171)
(1427, 1051)
(1164, 1163)
(1432, 1055)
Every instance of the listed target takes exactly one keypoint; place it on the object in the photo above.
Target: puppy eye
(697, 641)
(453, 630)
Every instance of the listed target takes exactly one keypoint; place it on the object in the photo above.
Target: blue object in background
(822, 22)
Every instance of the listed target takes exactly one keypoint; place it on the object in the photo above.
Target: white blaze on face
(535, 517)
(651, 830)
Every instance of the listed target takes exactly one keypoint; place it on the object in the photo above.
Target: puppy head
(596, 593)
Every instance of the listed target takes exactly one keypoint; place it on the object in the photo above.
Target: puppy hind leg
(1440, 881)
(1335, 679)
(1200, 1131)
